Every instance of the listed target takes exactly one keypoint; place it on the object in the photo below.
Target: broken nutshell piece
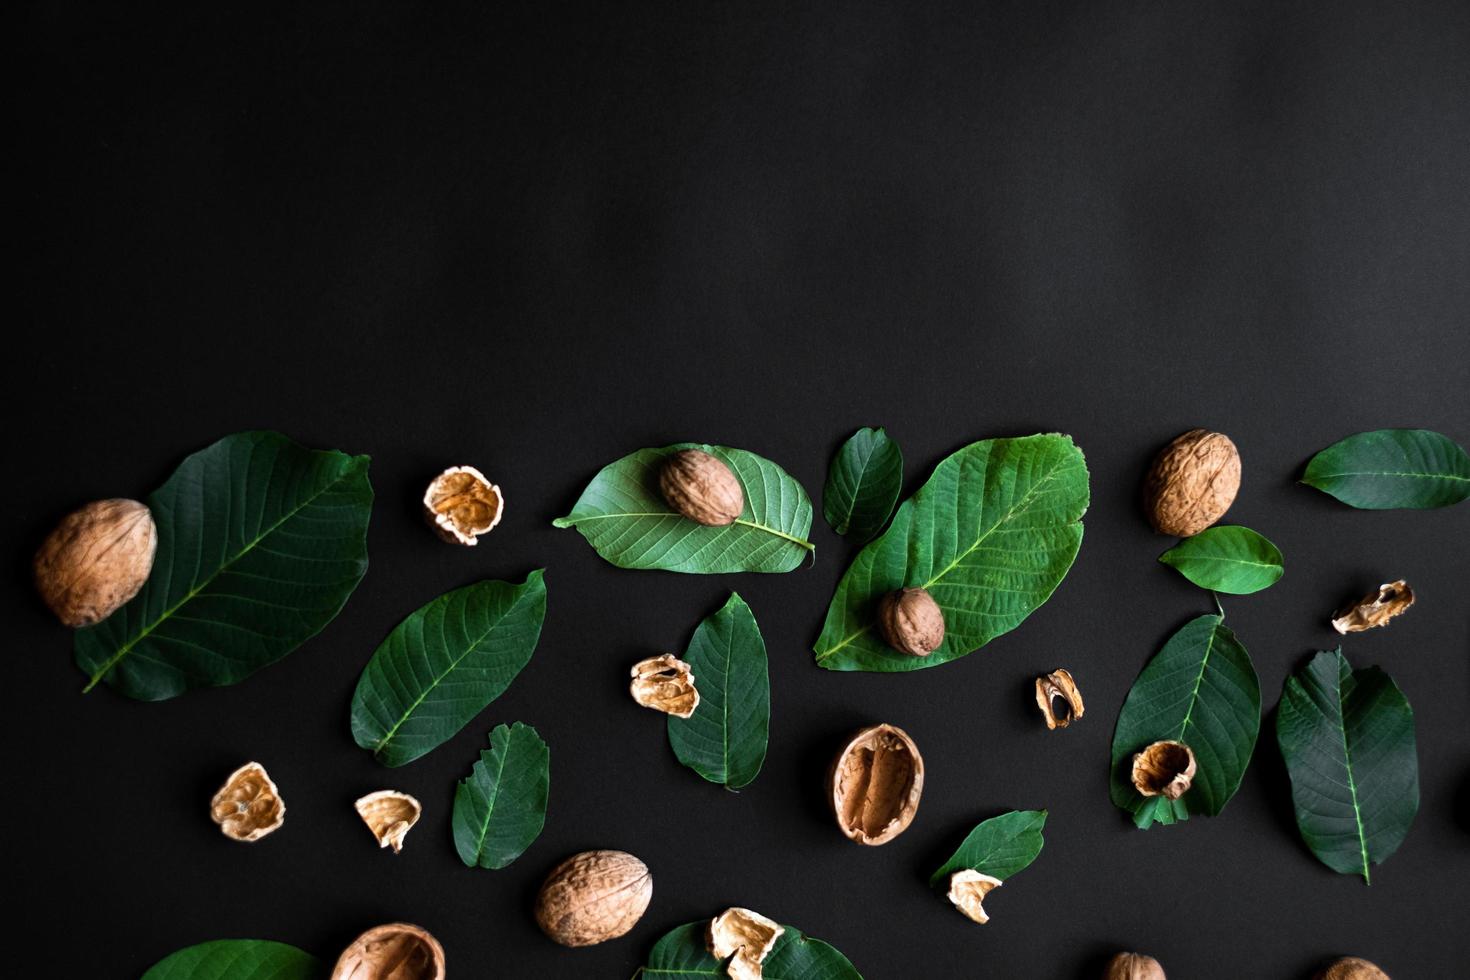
(462, 504)
(1351, 968)
(745, 937)
(248, 806)
(1133, 966)
(95, 560)
(1058, 698)
(592, 897)
(665, 683)
(911, 622)
(702, 488)
(1164, 769)
(1192, 483)
(390, 815)
(967, 891)
(1375, 609)
(397, 951)
(874, 784)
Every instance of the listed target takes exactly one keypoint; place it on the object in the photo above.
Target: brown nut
(1375, 609)
(911, 622)
(390, 815)
(95, 560)
(875, 783)
(592, 897)
(397, 951)
(1133, 966)
(1164, 769)
(248, 806)
(461, 504)
(702, 488)
(1055, 687)
(1351, 968)
(1192, 483)
(967, 891)
(665, 683)
(744, 938)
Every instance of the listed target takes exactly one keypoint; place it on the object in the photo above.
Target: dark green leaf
(1392, 468)
(998, 847)
(1348, 739)
(1227, 558)
(443, 664)
(238, 959)
(625, 518)
(863, 484)
(682, 953)
(260, 542)
(990, 536)
(1200, 689)
(500, 809)
(725, 739)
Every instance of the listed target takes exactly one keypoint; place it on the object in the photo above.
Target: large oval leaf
(443, 664)
(999, 847)
(682, 953)
(725, 739)
(1392, 468)
(260, 542)
(500, 809)
(1200, 689)
(1348, 739)
(238, 959)
(990, 536)
(863, 484)
(1227, 558)
(625, 518)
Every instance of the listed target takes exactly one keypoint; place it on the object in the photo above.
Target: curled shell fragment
(1164, 769)
(1058, 698)
(1375, 609)
(665, 683)
(967, 891)
(462, 504)
(390, 815)
(248, 806)
(744, 937)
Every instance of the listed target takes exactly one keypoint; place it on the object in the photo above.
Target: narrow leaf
(1227, 558)
(500, 809)
(682, 953)
(1392, 468)
(443, 664)
(998, 847)
(1348, 740)
(238, 959)
(863, 484)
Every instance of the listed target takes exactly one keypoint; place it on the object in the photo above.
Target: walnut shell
(1164, 769)
(1133, 966)
(390, 815)
(701, 487)
(875, 783)
(397, 951)
(1192, 483)
(1375, 609)
(592, 897)
(1054, 687)
(95, 560)
(1351, 968)
(665, 683)
(462, 504)
(967, 891)
(744, 938)
(911, 622)
(248, 806)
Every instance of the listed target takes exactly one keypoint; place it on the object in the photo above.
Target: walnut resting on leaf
(1058, 686)
(1164, 769)
(462, 504)
(592, 897)
(390, 815)
(1375, 609)
(874, 784)
(745, 937)
(95, 560)
(1192, 483)
(1351, 968)
(911, 622)
(248, 806)
(397, 951)
(702, 488)
(967, 890)
(665, 683)
(1133, 966)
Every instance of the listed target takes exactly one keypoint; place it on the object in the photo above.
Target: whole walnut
(95, 560)
(702, 488)
(593, 897)
(1133, 966)
(1192, 483)
(1351, 968)
(911, 622)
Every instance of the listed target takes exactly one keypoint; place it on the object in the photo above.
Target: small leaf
(998, 847)
(500, 809)
(725, 739)
(1348, 740)
(443, 664)
(1227, 558)
(1392, 468)
(238, 959)
(682, 953)
(863, 484)
(1200, 689)
(625, 518)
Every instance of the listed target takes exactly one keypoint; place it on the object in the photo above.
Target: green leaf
(725, 739)
(990, 536)
(625, 518)
(1200, 689)
(1227, 558)
(998, 847)
(260, 542)
(1348, 739)
(682, 953)
(863, 484)
(1392, 468)
(238, 959)
(443, 664)
(500, 809)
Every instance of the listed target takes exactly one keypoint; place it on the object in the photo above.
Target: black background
(532, 240)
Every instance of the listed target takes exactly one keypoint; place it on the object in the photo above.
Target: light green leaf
(625, 518)
(1200, 689)
(990, 536)
(1392, 468)
(863, 484)
(725, 739)
(500, 809)
(1227, 558)
(238, 959)
(998, 847)
(682, 953)
(443, 664)
(260, 542)
(1348, 740)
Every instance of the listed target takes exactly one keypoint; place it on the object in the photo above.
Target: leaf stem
(1216, 597)
(780, 534)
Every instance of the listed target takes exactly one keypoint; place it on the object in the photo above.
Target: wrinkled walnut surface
(1058, 685)
(390, 815)
(701, 487)
(911, 622)
(593, 897)
(875, 784)
(1164, 769)
(1352, 968)
(1192, 483)
(462, 504)
(397, 951)
(1375, 609)
(665, 683)
(967, 891)
(95, 560)
(248, 806)
(1133, 966)
(747, 936)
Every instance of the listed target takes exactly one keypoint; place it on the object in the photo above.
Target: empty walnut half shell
(1375, 609)
(248, 806)
(1133, 966)
(967, 891)
(665, 683)
(461, 505)
(1058, 698)
(875, 783)
(390, 815)
(744, 935)
(1164, 769)
(397, 951)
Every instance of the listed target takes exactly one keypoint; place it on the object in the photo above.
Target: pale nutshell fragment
(967, 891)
(397, 951)
(462, 504)
(390, 815)
(1375, 609)
(1164, 769)
(665, 683)
(745, 937)
(875, 783)
(248, 806)
(1133, 966)
(1054, 687)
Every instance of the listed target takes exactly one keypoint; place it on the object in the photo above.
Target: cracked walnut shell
(1351, 968)
(248, 806)
(1055, 687)
(744, 937)
(592, 897)
(1133, 966)
(1164, 769)
(397, 951)
(911, 622)
(875, 783)
(665, 683)
(1192, 483)
(702, 488)
(95, 560)
(462, 504)
(1375, 609)
(967, 891)
(390, 815)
